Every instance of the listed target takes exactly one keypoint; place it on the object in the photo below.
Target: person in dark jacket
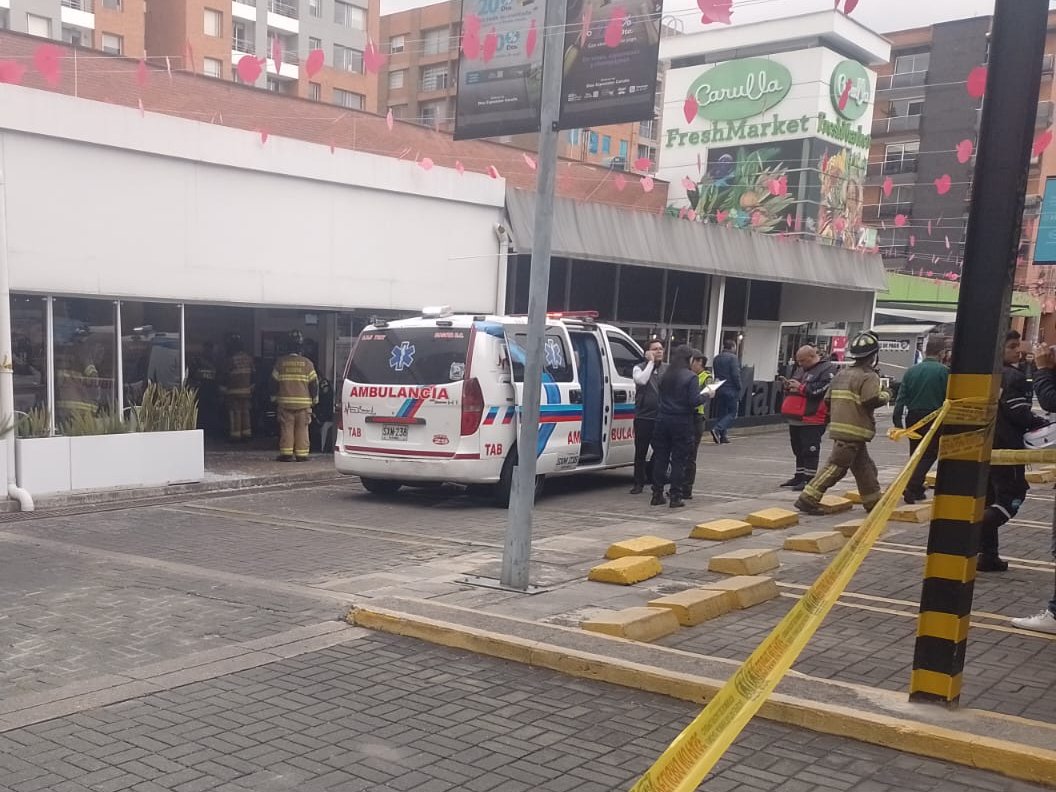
(923, 390)
(646, 401)
(726, 367)
(673, 440)
(1007, 487)
(805, 411)
(1045, 390)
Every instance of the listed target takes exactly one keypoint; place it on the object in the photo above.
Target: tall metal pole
(518, 546)
(1005, 140)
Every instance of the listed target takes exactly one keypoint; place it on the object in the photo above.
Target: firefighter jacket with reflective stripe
(852, 398)
(295, 383)
(76, 387)
(238, 381)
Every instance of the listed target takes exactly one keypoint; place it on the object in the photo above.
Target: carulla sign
(740, 89)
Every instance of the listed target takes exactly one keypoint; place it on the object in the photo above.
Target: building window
(214, 23)
(314, 43)
(434, 78)
(899, 202)
(211, 67)
(434, 113)
(396, 79)
(75, 36)
(85, 350)
(315, 92)
(647, 129)
(115, 45)
(348, 59)
(647, 152)
(397, 44)
(434, 41)
(399, 111)
(606, 144)
(113, 5)
(315, 8)
(912, 63)
(592, 142)
(623, 150)
(348, 99)
(242, 37)
(150, 347)
(350, 16)
(38, 26)
(29, 343)
(573, 137)
(901, 157)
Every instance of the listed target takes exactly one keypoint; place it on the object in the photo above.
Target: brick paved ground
(386, 713)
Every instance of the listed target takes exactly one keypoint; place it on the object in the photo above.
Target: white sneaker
(1044, 622)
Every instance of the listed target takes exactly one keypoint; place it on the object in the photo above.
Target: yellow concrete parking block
(850, 528)
(626, 571)
(637, 624)
(917, 513)
(746, 590)
(929, 480)
(744, 562)
(641, 546)
(773, 518)
(1041, 476)
(695, 606)
(816, 542)
(834, 504)
(853, 496)
(721, 530)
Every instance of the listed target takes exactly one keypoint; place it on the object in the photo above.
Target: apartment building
(114, 26)
(420, 80)
(216, 34)
(922, 113)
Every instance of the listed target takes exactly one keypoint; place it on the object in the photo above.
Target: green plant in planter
(35, 423)
(168, 409)
(105, 422)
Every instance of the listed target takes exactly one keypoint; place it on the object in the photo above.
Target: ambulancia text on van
(437, 399)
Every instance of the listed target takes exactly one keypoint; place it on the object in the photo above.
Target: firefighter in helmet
(76, 379)
(237, 389)
(295, 389)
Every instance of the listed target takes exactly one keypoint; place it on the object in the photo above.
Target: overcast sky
(880, 15)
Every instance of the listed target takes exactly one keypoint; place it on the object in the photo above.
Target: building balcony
(78, 13)
(286, 8)
(647, 130)
(242, 46)
(78, 5)
(282, 15)
(892, 82)
(893, 167)
(894, 251)
(431, 84)
(1043, 120)
(876, 212)
(896, 124)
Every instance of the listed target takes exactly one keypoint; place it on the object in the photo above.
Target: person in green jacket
(922, 391)
(697, 365)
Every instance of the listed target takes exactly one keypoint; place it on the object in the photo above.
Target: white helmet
(1045, 437)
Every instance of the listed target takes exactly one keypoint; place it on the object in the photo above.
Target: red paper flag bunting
(788, 220)
(840, 225)
(911, 256)
(976, 84)
(46, 60)
(964, 151)
(688, 183)
(248, 69)
(900, 220)
(888, 187)
(690, 108)
(584, 24)
(11, 72)
(276, 53)
(825, 162)
(470, 45)
(528, 160)
(942, 184)
(388, 119)
(620, 182)
(692, 216)
(643, 164)
(491, 45)
(425, 163)
(313, 64)
(533, 39)
(373, 58)
(845, 95)
(683, 212)
(471, 24)
(647, 184)
(720, 11)
(1042, 142)
(141, 73)
(758, 218)
(929, 273)
(493, 172)
(460, 167)
(849, 6)
(720, 217)
(614, 30)
(934, 259)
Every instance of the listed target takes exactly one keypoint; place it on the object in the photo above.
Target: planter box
(43, 464)
(119, 461)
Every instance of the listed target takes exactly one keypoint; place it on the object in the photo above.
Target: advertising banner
(611, 57)
(500, 68)
(1045, 249)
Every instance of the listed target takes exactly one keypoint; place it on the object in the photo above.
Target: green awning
(912, 292)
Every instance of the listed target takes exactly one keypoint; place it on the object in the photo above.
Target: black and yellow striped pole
(1017, 47)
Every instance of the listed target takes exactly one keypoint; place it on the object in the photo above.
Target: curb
(1012, 759)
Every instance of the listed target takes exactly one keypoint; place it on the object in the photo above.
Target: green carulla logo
(850, 76)
(740, 89)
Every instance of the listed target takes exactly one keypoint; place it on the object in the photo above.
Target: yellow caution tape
(1026, 456)
(683, 766)
(966, 445)
(897, 434)
(962, 412)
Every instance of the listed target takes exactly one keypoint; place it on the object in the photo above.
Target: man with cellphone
(646, 407)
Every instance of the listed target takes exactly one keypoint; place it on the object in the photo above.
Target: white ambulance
(437, 399)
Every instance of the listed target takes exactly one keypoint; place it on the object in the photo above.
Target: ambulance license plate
(394, 433)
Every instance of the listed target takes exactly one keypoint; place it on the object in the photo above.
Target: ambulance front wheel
(379, 486)
(504, 488)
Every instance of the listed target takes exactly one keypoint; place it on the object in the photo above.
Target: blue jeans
(727, 402)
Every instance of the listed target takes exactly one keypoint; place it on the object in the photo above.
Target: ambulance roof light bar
(437, 311)
(588, 315)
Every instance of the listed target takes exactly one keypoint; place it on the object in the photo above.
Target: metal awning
(922, 315)
(599, 232)
(905, 329)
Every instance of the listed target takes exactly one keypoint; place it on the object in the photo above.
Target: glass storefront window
(85, 370)
(150, 347)
(29, 342)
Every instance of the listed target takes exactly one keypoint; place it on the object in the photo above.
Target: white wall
(102, 201)
(802, 304)
(762, 341)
